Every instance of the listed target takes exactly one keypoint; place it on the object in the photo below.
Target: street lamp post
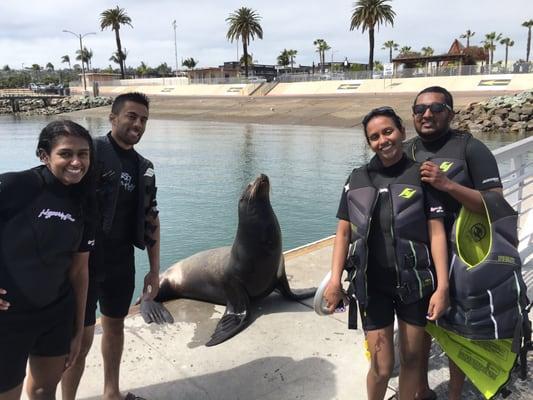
(175, 46)
(80, 36)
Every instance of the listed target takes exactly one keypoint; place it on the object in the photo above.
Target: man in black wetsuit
(128, 217)
(458, 165)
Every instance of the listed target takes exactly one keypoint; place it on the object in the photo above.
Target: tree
(391, 45)
(508, 43)
(244, 25)
(66, 59)
(189, 63)
(528, 25)
(49, 66)
(378, 66)
(36, 67)
(405, 50)
(427, 51)
(283, 58)
(292, 53)
(321, 48)
(113, 18)
(142, 69)
(490, 38)
(163, 70)
(84, 56)
(248, 58)
(116, 59)
(6, 68)
(467, 35)
(368, 14)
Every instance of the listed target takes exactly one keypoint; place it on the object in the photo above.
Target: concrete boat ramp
(287, 352)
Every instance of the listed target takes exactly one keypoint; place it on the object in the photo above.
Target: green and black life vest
(487, 290)
(413, 265)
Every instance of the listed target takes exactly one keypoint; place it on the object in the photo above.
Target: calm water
(202, 168)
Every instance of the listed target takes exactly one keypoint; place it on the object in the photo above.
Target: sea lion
(235, 275)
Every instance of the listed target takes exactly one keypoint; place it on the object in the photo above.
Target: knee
(410, 359)
(42, 392)
(382, 371)
(113, 326)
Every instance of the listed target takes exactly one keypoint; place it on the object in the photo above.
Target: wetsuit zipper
(393, 239)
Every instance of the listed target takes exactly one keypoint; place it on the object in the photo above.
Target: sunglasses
(385, 110)
(420, 109)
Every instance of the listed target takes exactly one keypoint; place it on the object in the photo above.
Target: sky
(31, 30)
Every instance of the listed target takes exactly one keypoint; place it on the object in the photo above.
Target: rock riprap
(500, 114)
(55, 106)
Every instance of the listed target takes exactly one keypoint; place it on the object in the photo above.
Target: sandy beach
(343, 111)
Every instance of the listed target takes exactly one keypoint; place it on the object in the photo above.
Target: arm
(333, 293)
(4, 305)
(79, 279)
(439, 301)
(470, 198)
(152, 277)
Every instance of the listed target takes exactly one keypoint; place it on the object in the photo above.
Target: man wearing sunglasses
(458, 165)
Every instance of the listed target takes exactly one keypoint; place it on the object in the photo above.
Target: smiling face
(69, 159)
(432, 125)
(385, 139)
(128, 125)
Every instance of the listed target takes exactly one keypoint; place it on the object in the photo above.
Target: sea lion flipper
(236, 315)
(293, 294)
(152, 311)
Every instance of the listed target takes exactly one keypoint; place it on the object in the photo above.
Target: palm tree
(283, 58)
(142, 69)
(427, 51)
(189, 63)
(114, 17)
(292, 53)
(321, 47)
(528, 25)
(116, 59)
(508, 43)
(405, 50)
(467, 35)
(490, 38)
(66, 59)
(49, 66)
(368, 14)
(244, 25)
(84, 56)
(391, 45)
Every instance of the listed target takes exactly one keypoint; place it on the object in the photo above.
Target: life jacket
(487, 291)
(413, 264)
(451, 159)
(37, 244)
(108, 170)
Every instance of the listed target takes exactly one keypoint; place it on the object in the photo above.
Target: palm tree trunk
(506, 54)
(371, 52)
(245, 52)
(528, 44)
(390, 55)
(119, 51)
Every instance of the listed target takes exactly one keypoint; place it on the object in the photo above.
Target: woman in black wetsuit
(398, 257)
(45, 239)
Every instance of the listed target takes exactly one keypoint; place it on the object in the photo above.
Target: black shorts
(25, 335)
(383, 303)
(112, 287)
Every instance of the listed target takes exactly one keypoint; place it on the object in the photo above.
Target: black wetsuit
(42, 225)
(126, 196)
(381, 275)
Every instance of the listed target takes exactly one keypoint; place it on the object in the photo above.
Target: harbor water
(202, 168)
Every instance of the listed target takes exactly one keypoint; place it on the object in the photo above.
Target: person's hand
(438, 304)
(75, 347)
(333, 295)
(151, 285)
(4, 305)
(432, 174)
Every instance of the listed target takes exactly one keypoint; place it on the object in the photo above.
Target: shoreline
(336, 111)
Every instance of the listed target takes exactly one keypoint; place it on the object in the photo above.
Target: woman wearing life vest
(45, 239)
(391, 237)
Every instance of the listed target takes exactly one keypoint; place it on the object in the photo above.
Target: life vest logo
(445, 166)
(478, 232)
(47, 214)
(506, 259)
(407, 193)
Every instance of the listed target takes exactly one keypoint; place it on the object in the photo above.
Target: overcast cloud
(31, 30)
